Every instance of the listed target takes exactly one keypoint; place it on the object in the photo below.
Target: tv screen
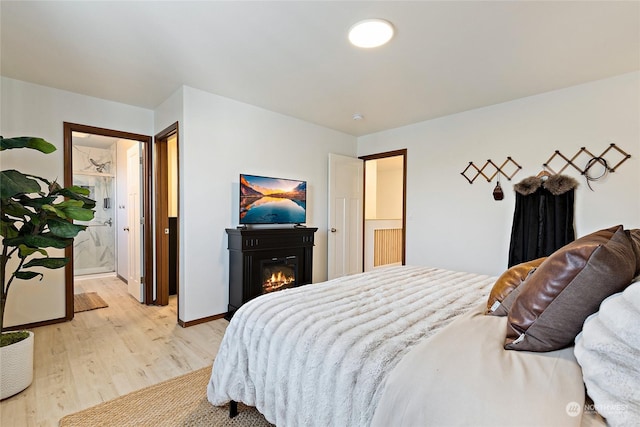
(265, 200)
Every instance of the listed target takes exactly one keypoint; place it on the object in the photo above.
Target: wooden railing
(387, 246)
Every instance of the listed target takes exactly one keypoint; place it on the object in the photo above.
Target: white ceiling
(293, 57)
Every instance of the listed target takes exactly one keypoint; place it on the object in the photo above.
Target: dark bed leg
(233, 408)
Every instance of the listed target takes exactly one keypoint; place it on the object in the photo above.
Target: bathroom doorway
(97, 159)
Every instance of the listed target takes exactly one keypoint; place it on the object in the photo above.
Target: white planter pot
(16, 367)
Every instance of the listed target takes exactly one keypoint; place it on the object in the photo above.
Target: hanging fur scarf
(555, 184)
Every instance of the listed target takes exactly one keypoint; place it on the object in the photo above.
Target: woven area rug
(87, 301)
(180, 401)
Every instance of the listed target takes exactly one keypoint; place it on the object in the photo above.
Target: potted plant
(36, 214)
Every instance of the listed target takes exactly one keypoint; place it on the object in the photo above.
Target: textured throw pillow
(507, 282)
(505, 306)
(634, 235)
(568, 286)
(607, 348)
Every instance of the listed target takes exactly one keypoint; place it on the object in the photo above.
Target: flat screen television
(265, 200)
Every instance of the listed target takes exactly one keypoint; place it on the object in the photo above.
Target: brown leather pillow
(569, 286)
(507, 282)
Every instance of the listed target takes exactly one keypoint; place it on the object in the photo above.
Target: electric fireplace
(262, 261)
(279, 273)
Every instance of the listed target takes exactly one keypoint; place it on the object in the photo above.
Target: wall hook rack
(601, 159)
(491, 166)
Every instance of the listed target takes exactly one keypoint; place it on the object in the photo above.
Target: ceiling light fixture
(357, 116)
(371, 33)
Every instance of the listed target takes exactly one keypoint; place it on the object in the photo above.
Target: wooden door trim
(68, 129)
(162, 213)
(394, 153)
(147, 188)
(162, 223)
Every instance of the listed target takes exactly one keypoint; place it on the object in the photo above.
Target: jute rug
(180, 401)
(87, 301)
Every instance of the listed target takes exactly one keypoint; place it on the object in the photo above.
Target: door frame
(394, 153)
(145, 140)
(162, 214)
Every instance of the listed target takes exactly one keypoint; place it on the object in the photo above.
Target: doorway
(347, 244)
(91, 160)
(167, 214)
(384, 209)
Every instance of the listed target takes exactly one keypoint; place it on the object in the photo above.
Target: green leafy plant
(36, 214)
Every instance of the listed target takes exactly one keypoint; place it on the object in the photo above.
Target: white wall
(383, 188)
(452, 224)
(371, 189)
(389, 193)
(33, 110)
(172, 172)
(219, 139)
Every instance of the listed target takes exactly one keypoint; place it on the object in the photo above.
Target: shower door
(94, 249)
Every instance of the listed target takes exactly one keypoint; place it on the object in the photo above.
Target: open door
(134, 285)
(345, 200)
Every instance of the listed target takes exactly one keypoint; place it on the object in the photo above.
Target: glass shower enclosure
(94, 249)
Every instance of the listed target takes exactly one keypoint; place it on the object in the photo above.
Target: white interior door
(133, 199)
(345, 216)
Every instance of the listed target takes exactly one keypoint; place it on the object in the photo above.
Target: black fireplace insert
(279, 273)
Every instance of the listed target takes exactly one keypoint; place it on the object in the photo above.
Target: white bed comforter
(319, 355)
(463, 376)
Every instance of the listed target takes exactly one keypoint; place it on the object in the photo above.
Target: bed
(319, 354)
(411, 346)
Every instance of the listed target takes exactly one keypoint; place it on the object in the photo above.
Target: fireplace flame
(277, 281)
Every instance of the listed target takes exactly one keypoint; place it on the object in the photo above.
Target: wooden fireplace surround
(248, 247)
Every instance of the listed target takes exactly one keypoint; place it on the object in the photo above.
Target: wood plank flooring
(105, 353)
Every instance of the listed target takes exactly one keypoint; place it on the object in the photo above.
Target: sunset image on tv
(265, 200)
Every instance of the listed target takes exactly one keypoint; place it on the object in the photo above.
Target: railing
(383, 242)
(387, 246)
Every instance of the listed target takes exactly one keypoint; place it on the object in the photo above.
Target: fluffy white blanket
(608, 350)
(319, 354)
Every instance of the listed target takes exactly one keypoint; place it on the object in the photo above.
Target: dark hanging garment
(543, 217)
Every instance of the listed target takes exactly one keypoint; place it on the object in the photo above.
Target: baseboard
(202, 320)
(36, 324)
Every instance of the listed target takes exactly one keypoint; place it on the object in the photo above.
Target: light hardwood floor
(106, 353)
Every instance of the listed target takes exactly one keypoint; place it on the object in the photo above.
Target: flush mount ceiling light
(371, 33)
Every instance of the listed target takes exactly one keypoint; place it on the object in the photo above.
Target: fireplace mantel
(250, 248)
